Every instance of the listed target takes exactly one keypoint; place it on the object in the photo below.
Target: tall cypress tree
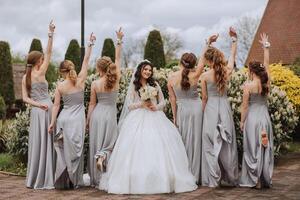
(36, 45)
(154, 49)
(6, 74)
(73, 54)
(108, 49)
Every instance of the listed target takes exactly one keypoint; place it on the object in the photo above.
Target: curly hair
(259, 70)
(106, 65)
(138, 74)
(188, 61)
(216, 57)
(68, 66)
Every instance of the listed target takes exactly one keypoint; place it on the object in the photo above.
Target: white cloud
(193, 20)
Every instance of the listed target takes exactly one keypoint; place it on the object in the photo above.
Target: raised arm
(203, 92)
(85, 64)
(92, 104)
(200, 65)
(55, 109)
(264, 40)
(172, 99)
(231, 60)
(47, 57)
(28, 100)
(120, 36)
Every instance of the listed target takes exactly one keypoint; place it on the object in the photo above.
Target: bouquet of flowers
(148, 93)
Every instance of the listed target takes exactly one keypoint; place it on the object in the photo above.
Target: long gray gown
(40, 167)
(258, 161)
(219, 149)
(189, 121)
(103, 132)
(69, 166)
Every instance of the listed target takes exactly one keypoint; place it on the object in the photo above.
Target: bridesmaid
(187, 107)
(258, 158)
(40, 166)
(102, 116)
(70, 126)
(219, 149)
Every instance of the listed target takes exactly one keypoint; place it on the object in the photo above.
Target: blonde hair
(106, 66)
(216, 57)
(68, 67)
(32, 59)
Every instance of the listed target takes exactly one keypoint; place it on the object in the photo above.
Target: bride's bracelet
(90, 43)
(119, 41)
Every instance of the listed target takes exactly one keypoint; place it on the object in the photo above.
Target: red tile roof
(281, 21)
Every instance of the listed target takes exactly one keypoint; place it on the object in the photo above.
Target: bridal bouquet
(148, 93)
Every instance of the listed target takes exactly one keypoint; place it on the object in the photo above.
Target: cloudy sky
(192, 20)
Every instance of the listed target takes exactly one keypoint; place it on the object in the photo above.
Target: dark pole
(82, 49)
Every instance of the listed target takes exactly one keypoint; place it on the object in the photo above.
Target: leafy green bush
(36, 45)
(154, 49)
(108, 49)
(6, 74)
(73, 54)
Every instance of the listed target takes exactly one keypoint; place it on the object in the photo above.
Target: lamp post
(82, 49)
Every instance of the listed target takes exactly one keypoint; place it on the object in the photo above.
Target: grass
(9, 164)
(293, 147)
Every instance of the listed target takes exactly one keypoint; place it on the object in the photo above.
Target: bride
(149, 156)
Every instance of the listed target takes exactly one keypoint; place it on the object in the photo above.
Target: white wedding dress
(149, 156)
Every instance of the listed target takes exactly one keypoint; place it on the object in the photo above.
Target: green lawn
(9, 164)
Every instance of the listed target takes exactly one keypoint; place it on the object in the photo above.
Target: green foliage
(17, 58)
(73, 54)
(108, 49)
(172, 64)
(6, 74)
(4, 131)
(295, 67)
(2, 108)
(154, 49)
(10, 164)
(51, 75)
(18, 138)
(36, 45)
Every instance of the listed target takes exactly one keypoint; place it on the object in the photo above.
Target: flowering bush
(282, 111)
(287, 81)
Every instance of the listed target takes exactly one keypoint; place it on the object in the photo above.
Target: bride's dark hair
(137, 76)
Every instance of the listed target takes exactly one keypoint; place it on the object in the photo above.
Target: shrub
(154, 49)
(36, 45)
(108, 49)
(2, 108)
(6, 74)
(288, 82)
(73, 54)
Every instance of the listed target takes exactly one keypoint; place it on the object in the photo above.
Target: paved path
(286, 186)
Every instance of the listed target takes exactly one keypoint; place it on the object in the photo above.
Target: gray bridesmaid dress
(71, 121)
(40, 167)
(103, 132)
(189, 121)
(258, 161)
(219, 149)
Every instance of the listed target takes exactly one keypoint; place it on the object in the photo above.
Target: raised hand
(232, 32)
(92, 38)
(120, 34)
(51, 27)
(264, 39)
(213, 38)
